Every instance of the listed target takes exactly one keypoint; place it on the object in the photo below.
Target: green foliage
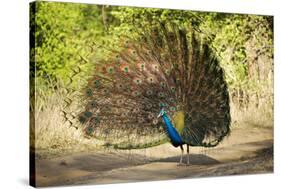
(72, 36)
(63, 34)
(232, 35)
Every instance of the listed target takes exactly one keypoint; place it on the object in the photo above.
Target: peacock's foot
(181, 164)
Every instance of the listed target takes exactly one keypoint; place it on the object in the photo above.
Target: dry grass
(51, 134)
(261, 116)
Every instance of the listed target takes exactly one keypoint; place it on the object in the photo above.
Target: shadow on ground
(195, 159)
(232, 158)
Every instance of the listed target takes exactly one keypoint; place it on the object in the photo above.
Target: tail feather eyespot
(110, 69)
(125, 68)
(141, 66)
(89, 92)
(137, 80)
(97, 83)
(88, 114)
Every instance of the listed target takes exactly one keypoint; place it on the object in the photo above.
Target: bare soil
(245, 151)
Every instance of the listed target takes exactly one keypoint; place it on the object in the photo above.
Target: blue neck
(167, 121)
(171, 131)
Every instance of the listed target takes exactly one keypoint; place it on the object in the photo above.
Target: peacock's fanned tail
(167, 67)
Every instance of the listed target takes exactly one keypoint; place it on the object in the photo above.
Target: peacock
(167, 85)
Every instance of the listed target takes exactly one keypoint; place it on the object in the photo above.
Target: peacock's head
(162, 112)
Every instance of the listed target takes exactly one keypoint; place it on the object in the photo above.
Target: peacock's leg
(187, 154)
(180, 163)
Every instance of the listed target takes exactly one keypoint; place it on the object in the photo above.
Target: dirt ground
(245, 151)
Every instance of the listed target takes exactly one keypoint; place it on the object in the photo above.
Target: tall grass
(51, 133)
(256, 110)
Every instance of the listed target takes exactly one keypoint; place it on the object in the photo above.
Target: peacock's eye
(173, 89)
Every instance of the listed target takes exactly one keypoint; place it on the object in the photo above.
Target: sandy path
(244, 152)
